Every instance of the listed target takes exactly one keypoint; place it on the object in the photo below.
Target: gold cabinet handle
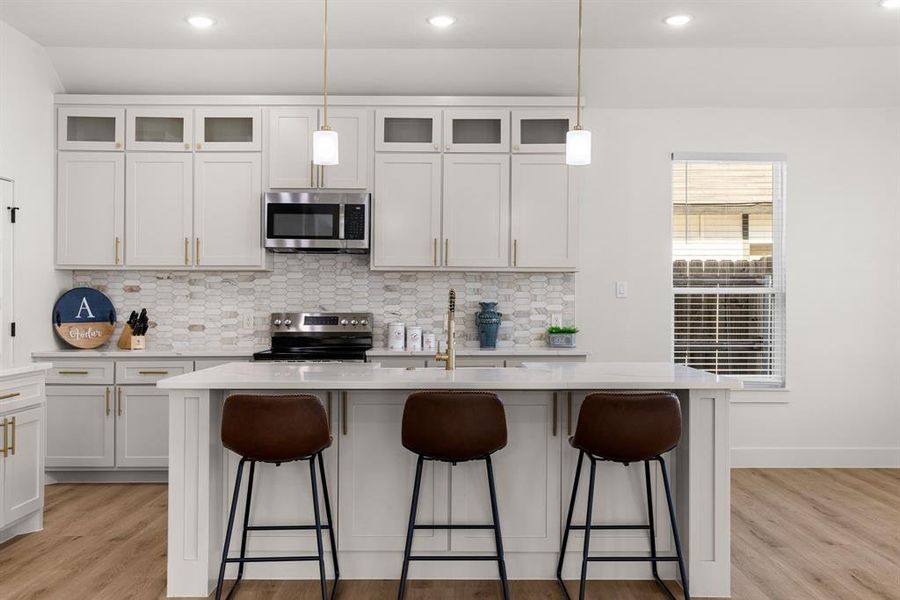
(312, 174)
(118, 145)
(321, 178)
(8, 396)
(118, 243)
(119, 401)
(515, 253)
(107, 402)
(187, 251)
(344, 412)
(12, 444)
(434, 253)
(199, 146)
(569, 413)
(555, 412)
(446, 252)
(4, 449)
(197, 252)
(153, 372)
(73, 372)
(187, 146)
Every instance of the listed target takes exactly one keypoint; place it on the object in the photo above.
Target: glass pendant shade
(325, 147)
(578, 147)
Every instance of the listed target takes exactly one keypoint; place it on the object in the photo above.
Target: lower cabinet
(21, 471)
(80, 426)
(142, 427)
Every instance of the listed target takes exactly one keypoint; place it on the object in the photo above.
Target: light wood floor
(796, 535)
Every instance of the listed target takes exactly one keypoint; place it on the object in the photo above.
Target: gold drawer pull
(12, 444)
(153, 372)
(119, 403)
(3, 448)
(107, 402)
(73, 373)
(8, 396)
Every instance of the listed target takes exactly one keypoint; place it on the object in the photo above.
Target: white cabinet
(228, 129)
(352, 127)
(159, 128)
(290, 147)
(476, 130)
(227, 209)
(544, 212)
(22, 474)
(158, 207)
(80, 426)
(407, 211)
(142, 427)
(541, 131)
(376, 476)
(408, 130)
(90, 209)
(476, 210)
(90, 128)
(527, 476)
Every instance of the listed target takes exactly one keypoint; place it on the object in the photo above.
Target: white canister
(429, 342)
(396, 336)
(414, 339)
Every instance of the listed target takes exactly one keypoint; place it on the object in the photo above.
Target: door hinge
(12, 213)
(12, 329)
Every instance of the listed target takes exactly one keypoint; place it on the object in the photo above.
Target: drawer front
(14, 395)
(87, 372)
(141, 371)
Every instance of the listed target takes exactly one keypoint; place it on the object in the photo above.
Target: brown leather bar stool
(454, 427)
(277, 429)
(625, 427)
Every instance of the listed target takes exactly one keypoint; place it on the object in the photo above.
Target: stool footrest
(285, 527)
(453, 527)
(632, 559)
(609, 527)
(272, 559)
(455, 558)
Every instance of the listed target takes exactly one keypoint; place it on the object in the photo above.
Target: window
(728, 265)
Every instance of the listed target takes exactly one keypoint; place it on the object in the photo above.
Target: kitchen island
(370, 475)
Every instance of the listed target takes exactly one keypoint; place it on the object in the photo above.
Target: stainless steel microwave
(318, 220)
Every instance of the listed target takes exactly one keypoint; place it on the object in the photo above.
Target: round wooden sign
(84, 317)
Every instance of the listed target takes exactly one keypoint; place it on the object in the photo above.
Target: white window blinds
(728, 265)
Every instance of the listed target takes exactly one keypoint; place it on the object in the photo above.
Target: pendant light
(325, 141)
(578, 140)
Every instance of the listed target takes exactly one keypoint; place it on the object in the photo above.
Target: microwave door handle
(341, 225)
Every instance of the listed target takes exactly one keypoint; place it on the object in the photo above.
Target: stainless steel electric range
(318, 337)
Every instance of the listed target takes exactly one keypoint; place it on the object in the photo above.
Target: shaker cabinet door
(160, 129)
(142, 427)
(23, 472)
(352, 127)
(228, 129)
(290, 147)
(80, 426)
(90, 209)
(90, 128)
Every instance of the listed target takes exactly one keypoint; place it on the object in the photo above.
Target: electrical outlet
(621, 289)
(556, 320)
(247, 319)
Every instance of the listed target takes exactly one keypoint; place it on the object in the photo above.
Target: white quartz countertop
(24, 369)
(118, 354)
(536, 376)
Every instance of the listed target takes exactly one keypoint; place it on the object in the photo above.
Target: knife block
(129, 341)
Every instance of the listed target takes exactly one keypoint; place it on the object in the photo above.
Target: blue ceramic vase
(488, 321)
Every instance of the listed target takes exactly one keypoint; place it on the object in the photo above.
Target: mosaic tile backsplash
(207, 310)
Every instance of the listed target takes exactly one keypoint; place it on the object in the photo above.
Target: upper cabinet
(476, 130)
(408, 130)
(159, 129)
(91, 128)
(289, 146)
(541, 131)
(228, 129)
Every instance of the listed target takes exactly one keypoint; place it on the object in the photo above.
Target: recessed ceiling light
(678, 20)
(201, 21)
(442, 21)
(890, 3)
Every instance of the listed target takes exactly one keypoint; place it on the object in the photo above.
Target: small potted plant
(561, 337)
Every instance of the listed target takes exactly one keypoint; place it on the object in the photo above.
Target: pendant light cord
(578, 92)
(325, 70)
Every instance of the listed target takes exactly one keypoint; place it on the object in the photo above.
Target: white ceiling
(283, 24)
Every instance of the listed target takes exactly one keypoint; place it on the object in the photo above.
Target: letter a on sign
(84, 307)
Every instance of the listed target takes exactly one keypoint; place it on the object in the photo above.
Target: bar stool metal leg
(334, 556)
(587, 529)
(501, 560)
(681, 568)
(234, 499)
(565, 540)
(412, 525)
(315, 503)
(250, 475)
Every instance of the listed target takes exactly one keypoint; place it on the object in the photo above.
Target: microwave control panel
(354, 222)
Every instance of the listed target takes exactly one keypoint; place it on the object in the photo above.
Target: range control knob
(276, 322)
(345, 322)
(364, 322)
(354, 322)
(287, 322)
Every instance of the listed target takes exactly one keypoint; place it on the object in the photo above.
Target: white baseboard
(815, 458)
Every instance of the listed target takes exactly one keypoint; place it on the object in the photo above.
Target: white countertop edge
(117, 354)
(25, 369)
(385, 353)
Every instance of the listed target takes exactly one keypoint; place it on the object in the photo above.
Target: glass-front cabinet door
(227, 129)
(476, 130)
(408, 130)
(541, 131)
(159, 129)
(91, 128)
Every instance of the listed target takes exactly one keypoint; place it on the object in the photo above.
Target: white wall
(27, 154)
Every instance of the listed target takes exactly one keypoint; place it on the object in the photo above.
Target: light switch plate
(621, 289)
(556, 320)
